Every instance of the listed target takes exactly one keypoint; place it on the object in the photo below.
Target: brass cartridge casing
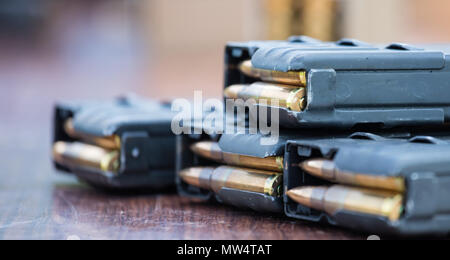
(212, 151)
(85, 155)
(336, 198)
(290, 97)
(110, 142)
(297, 78)
(327, 170)
(215, 179)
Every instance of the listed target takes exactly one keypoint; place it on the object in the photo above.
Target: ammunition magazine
(142, 127)
(350, 83)
(425, 171)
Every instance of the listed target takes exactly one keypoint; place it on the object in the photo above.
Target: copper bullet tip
(58, 150)
(197, 176)
(246, 67)
(302, 195)
(233, 91)
(312, 166)
(208, 150)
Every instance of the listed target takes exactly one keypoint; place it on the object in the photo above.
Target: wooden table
(38, 203)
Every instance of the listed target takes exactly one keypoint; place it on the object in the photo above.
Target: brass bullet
(290, 97)
(79, 154)
(215, 179)
(297, 78)
(327, 170)
(212, 151)
(335, 198)
(110, 142)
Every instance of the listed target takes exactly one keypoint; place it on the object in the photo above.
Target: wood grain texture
(83, 213)
(61, 208)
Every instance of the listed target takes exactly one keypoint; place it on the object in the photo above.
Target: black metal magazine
(147, 151)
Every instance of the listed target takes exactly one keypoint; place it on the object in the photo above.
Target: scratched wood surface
(38, 203)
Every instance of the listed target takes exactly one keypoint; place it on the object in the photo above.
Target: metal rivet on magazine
(135, 152)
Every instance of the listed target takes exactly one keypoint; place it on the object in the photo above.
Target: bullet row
(363, 193)
(288, 89)
(358, 192)
(245, 173)
(100, 153)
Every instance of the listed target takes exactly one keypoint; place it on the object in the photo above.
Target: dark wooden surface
(38, 203)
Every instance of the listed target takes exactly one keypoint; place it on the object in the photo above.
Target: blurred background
(59, 49)
(54, 50)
